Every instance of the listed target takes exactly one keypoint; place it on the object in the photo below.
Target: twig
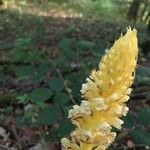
(17, 137)
(67, 89)
(3, 147)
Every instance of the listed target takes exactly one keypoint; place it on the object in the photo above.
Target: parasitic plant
(105, 94)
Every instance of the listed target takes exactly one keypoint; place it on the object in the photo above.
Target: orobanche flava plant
(106, 92)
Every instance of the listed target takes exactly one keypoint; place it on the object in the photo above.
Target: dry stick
(19, 143)
(17, 137)
(68, 90)
(3, 147)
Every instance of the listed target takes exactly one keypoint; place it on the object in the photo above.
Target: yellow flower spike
(105, 92)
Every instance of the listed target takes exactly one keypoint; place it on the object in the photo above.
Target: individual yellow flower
(105, 92)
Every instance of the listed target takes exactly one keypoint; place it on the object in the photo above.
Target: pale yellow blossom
(106, 92)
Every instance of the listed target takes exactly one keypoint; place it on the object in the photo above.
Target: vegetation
(47, 49)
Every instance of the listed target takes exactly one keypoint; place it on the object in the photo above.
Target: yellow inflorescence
(106, 92)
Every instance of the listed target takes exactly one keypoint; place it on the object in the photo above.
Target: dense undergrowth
(44, 60)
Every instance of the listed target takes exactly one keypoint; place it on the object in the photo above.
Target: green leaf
(67, 55)
(144, 116)
(142, 80)
(43, 68)
(142, 76)
(33, 56)
(18, 55)
(48, 115)
(61, 99)
(129, 120)
(65, 44)
(40, 95)
(2, 78)
(24, 72)
(66, 52)
(1, 67)
(148, 96)
(60, 63)
(65, 128)
(56, 84)
(83, 45)
(66, 109)
(23, 43)
(141, 136)
(143, 71)
(37, 78)
(21, 49)
(23, 98)
(52, 136)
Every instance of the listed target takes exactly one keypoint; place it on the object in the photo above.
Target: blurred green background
(47, 49)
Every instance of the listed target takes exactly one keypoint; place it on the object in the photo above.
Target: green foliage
(65, 44)
(143, 71)
(20, 49)
(141, 137)
(56, 84)
(143, 76)
(48, 115)
(23, 99)
(84, 45)
(24, 72)
(65, 128)
(61, 99)
(133, 121)
(144, 116)
(40, 95)
(130, 120)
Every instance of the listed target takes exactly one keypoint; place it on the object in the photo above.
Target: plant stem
(67, 89)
